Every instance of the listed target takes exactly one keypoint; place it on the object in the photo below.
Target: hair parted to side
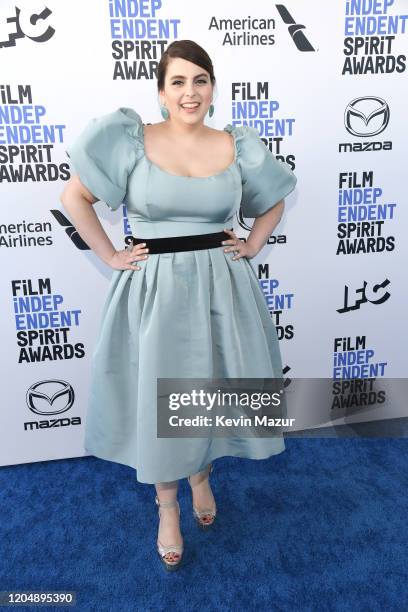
(188, 50)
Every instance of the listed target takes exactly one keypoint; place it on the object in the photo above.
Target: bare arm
(258, 236)
(78, 202)
(263, 227)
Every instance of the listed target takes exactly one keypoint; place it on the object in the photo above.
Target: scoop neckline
(225, 171)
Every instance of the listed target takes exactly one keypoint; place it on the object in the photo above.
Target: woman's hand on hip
(240, 248)
(125, 259)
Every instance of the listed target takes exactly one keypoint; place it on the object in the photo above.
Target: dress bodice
(109, 157)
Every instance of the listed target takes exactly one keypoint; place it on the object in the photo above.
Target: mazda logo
(50, 397)
(366, 116)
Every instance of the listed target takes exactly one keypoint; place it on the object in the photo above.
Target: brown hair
(188, 50)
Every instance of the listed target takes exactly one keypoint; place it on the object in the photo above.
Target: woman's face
(188, 91)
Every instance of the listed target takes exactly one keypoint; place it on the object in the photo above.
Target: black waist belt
(172, 244)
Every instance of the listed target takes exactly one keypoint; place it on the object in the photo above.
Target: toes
(172, 557)
(207, 518)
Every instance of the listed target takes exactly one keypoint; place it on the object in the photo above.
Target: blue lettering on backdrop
(138, 31)
(275, 301)
(22, 125)
(361, 215)
(369, 17)
(352, 359)
(42, 323)
(137, 19)
(27, 140)
(359, 204)
(370, 32)
(251, 106)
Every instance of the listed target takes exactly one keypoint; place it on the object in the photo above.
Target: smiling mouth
(190, 105)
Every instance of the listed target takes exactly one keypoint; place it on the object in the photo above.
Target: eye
(198, 81)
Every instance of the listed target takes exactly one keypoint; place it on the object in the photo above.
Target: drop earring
(164, 112)
(211, 110)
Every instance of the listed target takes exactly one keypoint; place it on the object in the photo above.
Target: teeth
(190, 105)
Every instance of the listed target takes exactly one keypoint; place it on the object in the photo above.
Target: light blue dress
(194, 314)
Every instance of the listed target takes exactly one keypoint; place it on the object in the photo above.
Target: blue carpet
(322, 526)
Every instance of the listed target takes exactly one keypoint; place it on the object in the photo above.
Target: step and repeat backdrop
(324, 83)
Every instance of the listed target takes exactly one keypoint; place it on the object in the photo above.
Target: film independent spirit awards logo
(49, 398)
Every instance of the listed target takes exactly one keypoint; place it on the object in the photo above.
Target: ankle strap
(207, 471)
(166, 504)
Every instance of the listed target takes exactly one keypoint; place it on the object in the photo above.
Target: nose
(190, 91)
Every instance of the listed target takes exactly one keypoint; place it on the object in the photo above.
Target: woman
(185, 308)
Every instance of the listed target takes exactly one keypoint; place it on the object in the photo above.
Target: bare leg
(202, 494)
(169, 525)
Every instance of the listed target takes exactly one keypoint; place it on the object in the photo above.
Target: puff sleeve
(105, 153)
(265, 179)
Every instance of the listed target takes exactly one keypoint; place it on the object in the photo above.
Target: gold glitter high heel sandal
(206, 516)
(173, 551)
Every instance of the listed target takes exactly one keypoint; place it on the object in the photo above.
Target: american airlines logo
(295, 29)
